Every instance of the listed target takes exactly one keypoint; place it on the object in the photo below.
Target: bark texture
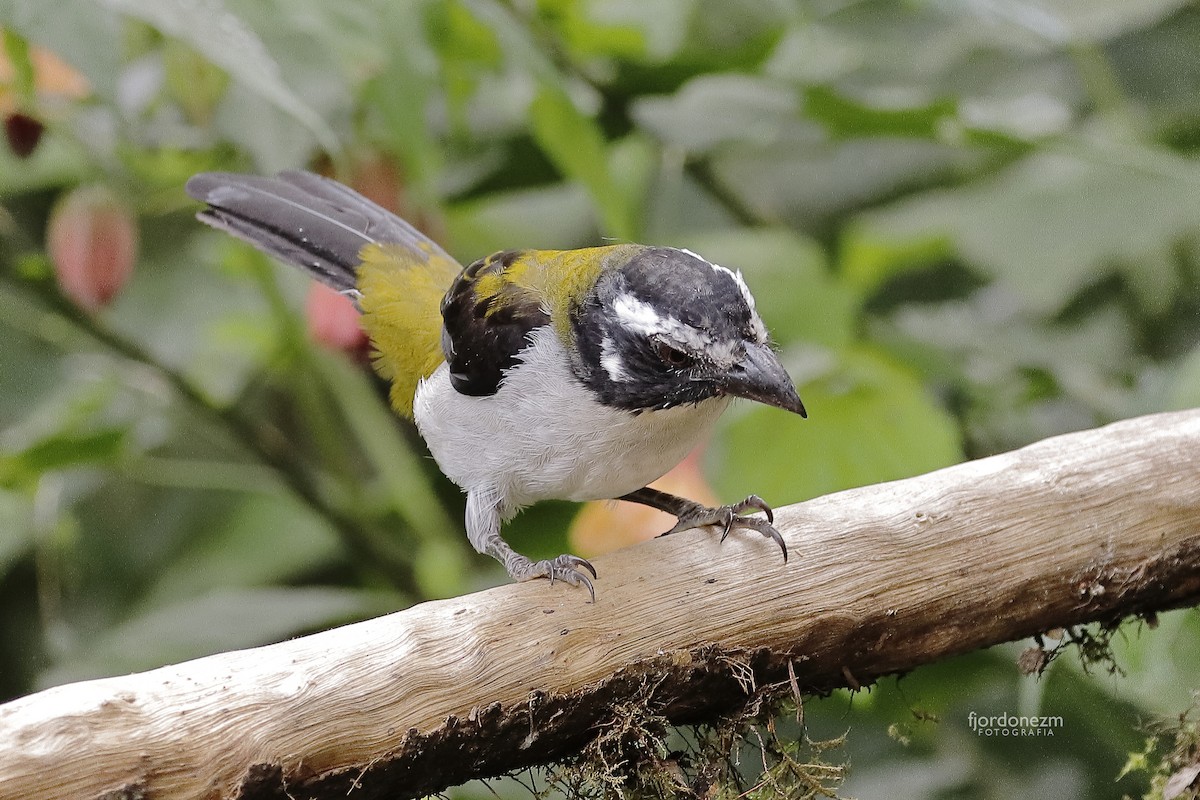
(1090, 526)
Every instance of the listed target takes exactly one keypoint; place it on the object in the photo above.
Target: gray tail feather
(305, 220)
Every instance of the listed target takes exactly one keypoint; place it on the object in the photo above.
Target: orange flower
(52, 77)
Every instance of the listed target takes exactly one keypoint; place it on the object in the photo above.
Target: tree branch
(1092, 526)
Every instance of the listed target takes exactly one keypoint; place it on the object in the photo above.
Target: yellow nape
(401, 302)
(579, 271)
(561, 279)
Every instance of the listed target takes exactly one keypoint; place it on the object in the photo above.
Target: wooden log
(1089, 526)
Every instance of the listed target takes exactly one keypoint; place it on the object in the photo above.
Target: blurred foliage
(969, 225)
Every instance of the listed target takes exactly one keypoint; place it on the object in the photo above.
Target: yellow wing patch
(401, 297)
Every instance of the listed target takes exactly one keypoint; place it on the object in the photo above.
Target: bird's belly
(543, 435)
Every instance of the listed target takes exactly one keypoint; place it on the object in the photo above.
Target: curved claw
(580, 578)
(566, 568)
(727, 524)
(588, 565)
(766, 529)
(755, 502)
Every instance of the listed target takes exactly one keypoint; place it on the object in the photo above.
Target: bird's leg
(690, 514)
(483, 531)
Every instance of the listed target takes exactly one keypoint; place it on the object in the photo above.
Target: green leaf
(462, 36)
(724, 36)
(264, 539)
(467, 49)
(808, 182)
(634, 30)
(633, 162)
(64, 450)
(58, 161)
(847, 118)
(16, 528)
(868, 260)
(195, 83)
(590, 30)
(722, 109)
(1021, 378)
(61, 451)
(870, 420)
(222, 335)
(85, 33)
(16, 49)
(514, 38)
(396, 100)
(1139, 761)
(1092, 21)
(553, 217)
(1159, 671)
(1055, 223)
(575, 144)
(226, 41)
(30, 372)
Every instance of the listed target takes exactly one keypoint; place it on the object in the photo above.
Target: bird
(531, 375)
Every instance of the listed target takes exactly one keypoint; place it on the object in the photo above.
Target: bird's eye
(671, 356)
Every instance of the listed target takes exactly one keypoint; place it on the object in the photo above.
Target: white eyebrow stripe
(637, 316)
(641, 318)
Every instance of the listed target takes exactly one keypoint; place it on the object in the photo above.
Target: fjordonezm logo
(1013, 725)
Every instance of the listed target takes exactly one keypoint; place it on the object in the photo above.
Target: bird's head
(667, 328)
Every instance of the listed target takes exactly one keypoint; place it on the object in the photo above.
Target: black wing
(487, 319)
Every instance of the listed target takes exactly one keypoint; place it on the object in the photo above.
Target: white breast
(543, 435)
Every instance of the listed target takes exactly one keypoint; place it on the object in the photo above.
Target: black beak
(759, 376)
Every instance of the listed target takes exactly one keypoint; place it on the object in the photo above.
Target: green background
(969, 226)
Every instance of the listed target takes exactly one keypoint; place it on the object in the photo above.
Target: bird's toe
(567, 568)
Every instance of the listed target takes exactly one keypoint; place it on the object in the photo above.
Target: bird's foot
(694, 515)
(566, 568)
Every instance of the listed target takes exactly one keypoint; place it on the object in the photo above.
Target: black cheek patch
(649, 383)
